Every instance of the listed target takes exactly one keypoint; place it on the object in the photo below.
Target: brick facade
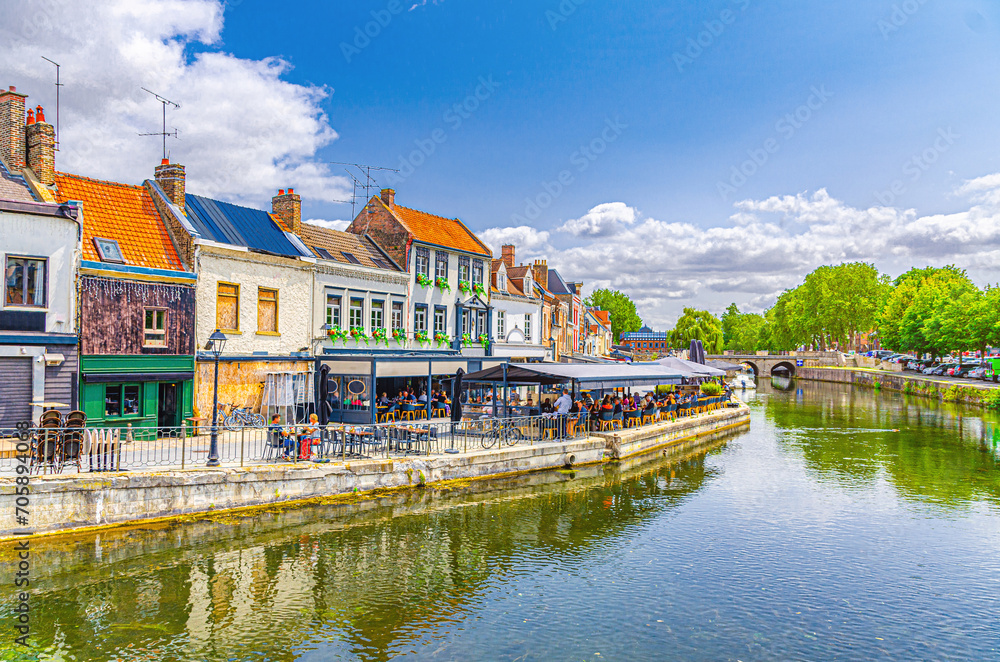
(12, 144)
(378, 222)
(172, 179)
(182, 239)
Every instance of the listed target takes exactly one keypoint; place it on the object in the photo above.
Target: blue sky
(864, 130)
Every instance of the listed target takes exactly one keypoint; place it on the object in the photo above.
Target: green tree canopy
(933, 311)
(744, 332)
(698, 325)
(624, 317)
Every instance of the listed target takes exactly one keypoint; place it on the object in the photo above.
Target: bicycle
(240, 417)
(502, 432)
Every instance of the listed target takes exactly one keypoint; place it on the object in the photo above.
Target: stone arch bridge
(766, 365)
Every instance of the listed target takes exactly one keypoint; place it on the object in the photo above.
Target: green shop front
(150, 392)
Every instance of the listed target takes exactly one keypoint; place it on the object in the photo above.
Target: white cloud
(330, 225)
(771, 245)
(603, 220)
(244, 131)
(424, 2)
(528, 241)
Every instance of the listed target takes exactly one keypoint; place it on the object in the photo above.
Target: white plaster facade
(293, 280)
(432, 297)
(57, 241)
(511, 340)
(336, 284)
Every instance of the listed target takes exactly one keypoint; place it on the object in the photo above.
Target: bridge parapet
(783, 362)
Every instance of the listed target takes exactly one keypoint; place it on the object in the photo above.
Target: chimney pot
(12, 88)
(40, 143)
(290, 191)
(39, 114)
(164, 161)
(281, 191)
(507, 255)
(31, 116)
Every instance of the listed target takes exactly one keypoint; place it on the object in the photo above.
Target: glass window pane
(378, 315)
(357, 313)
(332, 310)
(397, 315)
(113, 400)
(267, 311)
(130, 400)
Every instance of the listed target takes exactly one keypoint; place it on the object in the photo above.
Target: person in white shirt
(564, 403)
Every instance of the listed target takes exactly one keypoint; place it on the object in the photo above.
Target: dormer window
(502, 280)
(108, 250)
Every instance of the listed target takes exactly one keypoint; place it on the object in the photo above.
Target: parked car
(965, 369)
(942, 369)
(979, 372)
(882, 353)
(931, 368)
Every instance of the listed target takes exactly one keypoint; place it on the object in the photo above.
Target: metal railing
(110, 449)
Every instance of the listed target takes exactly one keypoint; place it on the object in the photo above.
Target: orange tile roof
(603, 315)
(449, 232)
(123, 213)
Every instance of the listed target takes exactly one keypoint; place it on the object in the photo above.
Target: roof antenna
(58, 85)
(164, 132)
(366, 172)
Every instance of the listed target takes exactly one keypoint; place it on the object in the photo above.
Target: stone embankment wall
(87, 500)
(972, 394)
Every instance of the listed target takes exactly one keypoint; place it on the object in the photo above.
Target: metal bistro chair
(72, 448)
(46, 450)
(649, 415)
(438, 410)
(407, 411)
(386, 414)
(619, 420)
(633, 419)
(420, 411)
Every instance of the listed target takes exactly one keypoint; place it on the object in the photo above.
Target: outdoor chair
(407, 411)
(606, 421)
(72, 447)
(438, 410)
(420, 411)
(649, 415)
(45, 454)
(386, 414)
(50, 419)
(633, 419)
(75, 419)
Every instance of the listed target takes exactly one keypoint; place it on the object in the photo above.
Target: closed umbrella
(456, 396)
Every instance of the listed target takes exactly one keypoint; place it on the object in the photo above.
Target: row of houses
(112, 291)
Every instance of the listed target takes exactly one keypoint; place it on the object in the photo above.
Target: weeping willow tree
(698, 325)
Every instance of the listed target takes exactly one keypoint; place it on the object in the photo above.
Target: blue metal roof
(557, 285)
(231, 224)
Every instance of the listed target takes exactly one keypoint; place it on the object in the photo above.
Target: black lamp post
(216, 343)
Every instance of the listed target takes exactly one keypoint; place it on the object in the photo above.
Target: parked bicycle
(239, 417)
(504, 432)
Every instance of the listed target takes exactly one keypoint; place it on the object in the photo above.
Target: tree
(698, 325)
(929, 311)
(744, 332)
(624, 317)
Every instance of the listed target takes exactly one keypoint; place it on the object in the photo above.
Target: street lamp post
(216, 343)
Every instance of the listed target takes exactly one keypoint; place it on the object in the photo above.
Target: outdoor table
(49, 405)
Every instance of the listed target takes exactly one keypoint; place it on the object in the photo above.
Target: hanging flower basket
(358, 334)
(336, 333)
(464, 286)
(466, 339)
(422, 337)
(479, 289)
(381, 336)
(399, 335)
(442, 339)
(484, 340)
(424, 281)
(442, 284)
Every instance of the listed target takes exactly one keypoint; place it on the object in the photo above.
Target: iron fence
(110, 449)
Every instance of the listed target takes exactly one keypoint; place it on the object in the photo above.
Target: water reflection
(365, 580)
(939, 452)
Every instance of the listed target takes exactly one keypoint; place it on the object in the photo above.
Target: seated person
(618, 409)
(309, 436)
(384, 400)
(529, 404)
(278, 437)
(607, 405)
(547, 407)
(423, 397)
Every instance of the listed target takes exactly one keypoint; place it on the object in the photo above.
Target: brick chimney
(40, 137)
(288, 207)
(541, 273)
(12, 141)
(507, 255)
(389, 197)
(171, 178)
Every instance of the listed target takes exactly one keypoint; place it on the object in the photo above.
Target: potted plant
(336, 333)
(422, 337)
(442, 284)
(464, 286)
(358, 334)
(466, 339)
(484, 340)
(711, 389)
(442, 339)
(381, 336)
(399, 335)
(479, 290)
(424, 281)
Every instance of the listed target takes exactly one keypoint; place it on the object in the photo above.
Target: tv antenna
(365, 171)
(58, 85)
(164, 132)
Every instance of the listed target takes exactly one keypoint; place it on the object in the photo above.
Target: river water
(844, 525)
